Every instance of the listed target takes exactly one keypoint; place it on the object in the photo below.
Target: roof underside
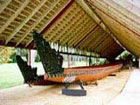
(122, 17)
(57, 20)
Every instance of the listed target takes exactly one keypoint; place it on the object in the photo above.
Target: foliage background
(5, 53)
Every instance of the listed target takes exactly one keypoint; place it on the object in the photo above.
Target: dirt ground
(108, 88)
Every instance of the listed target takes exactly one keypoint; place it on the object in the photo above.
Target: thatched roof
(69, 21)
(122, 17)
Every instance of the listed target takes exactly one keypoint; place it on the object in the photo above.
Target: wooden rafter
(74, 28)
(61, 27)
(51, 22)
(38, 21)
(97, 19)
(107, 42)
(11, 19)
(25, 20)
(83, 32)
(105, 36)
(58, 15)
(91, 13)
(86, 36)
(94, 39)
(4, 5)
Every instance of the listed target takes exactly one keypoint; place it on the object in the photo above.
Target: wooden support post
(29, 56)
(90, 61)
(68, 57)
(139, 63)
(96, 61)
(86, 61)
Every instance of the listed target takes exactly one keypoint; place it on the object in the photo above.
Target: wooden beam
(11, 44)
(11, 19)
(86, 8)
(71, 32)
(91, 12)
(101, 41)
(4, 5)
(61, 35)
(106, 45)
(29, 57)
(25, 20)
(82, 55)
(94, 39)
(68, 60)
(97, 18)
(57, 16)
(81, 33)
(38, 21)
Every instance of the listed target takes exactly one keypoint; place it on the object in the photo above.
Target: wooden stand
(74, 92)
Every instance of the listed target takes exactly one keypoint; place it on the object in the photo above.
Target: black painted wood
(74, 92)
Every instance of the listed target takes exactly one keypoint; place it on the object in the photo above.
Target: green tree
(5, 53)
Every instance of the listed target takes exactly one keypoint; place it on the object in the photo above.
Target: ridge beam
(92, 13)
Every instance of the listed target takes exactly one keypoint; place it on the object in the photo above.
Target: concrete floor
(131, 93)
(108, 88)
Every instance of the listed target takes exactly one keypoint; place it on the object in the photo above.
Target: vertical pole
(58, 47)
(90, 61)
(86, 61)
(139, 63)
(29, 57)
(68, 56)
(33, 56)
(96, 61)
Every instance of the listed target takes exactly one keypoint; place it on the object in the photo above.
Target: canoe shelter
(105, 27)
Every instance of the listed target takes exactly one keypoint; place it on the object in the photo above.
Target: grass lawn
(10, 74)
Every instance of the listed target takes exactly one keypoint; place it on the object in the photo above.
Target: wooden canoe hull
(85, 74)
